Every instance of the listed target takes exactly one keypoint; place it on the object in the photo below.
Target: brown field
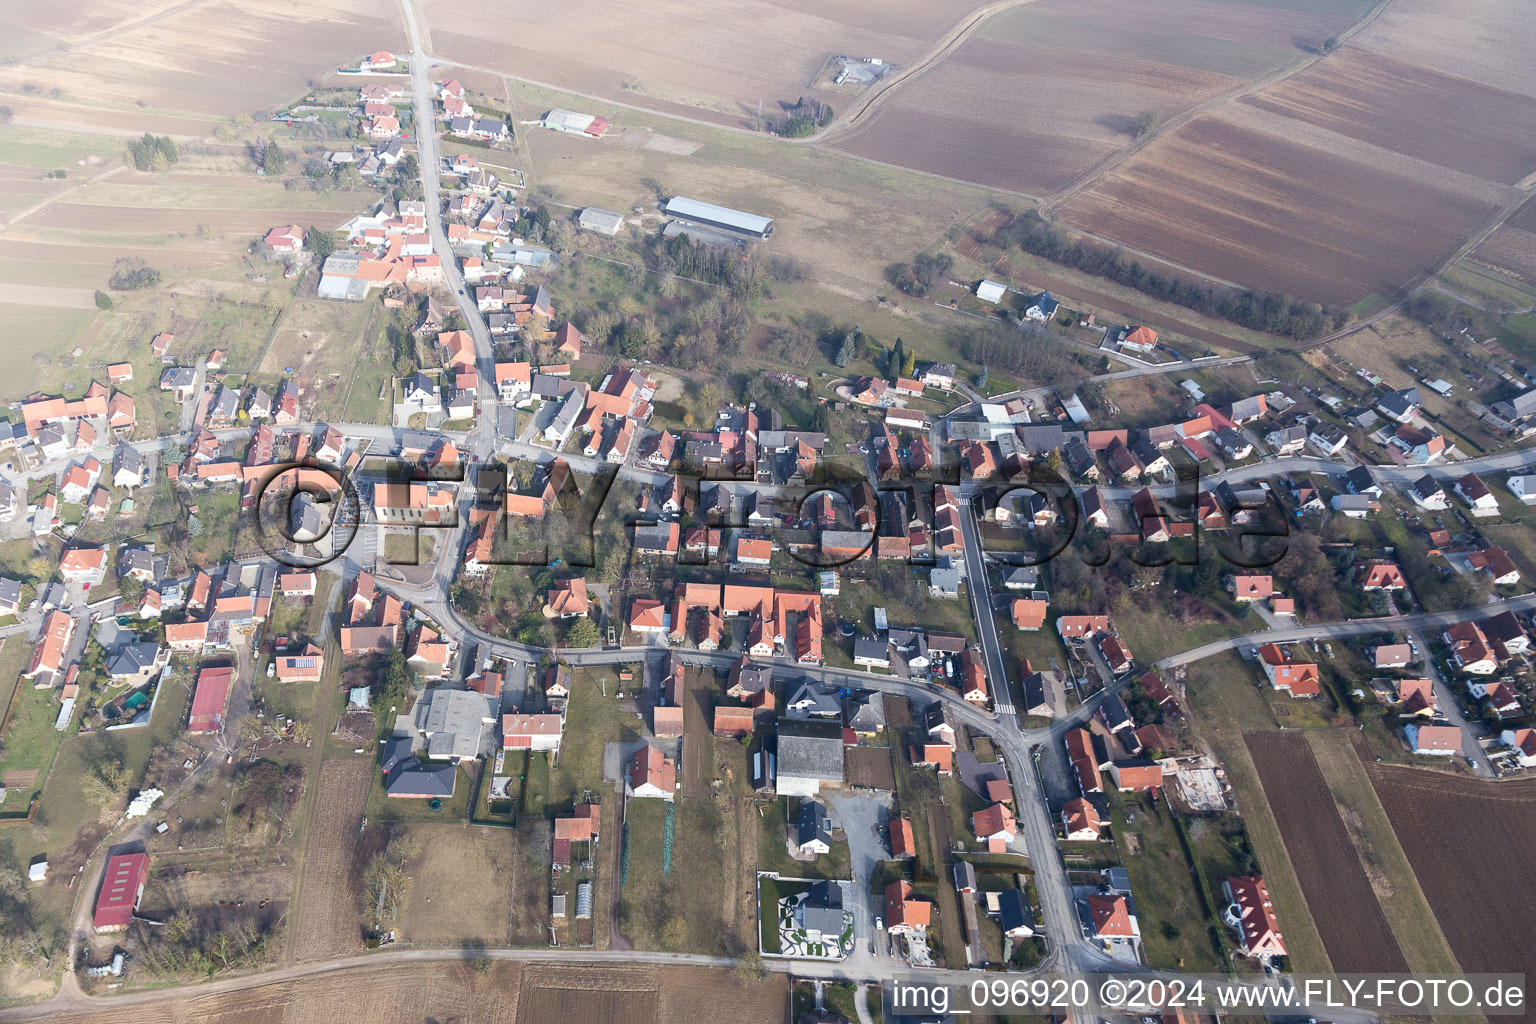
(1466, 839)
(1041, 93)
(1388, 102)
(1339, 896)
(606, 994)
(1356, 175)
(714, 63)
(326, 922)
(409, 993)
(441, 908)
(217, 60)
(870, 766)
(1510, 250)
(1265, 210)
(698, 734)
(139, 221)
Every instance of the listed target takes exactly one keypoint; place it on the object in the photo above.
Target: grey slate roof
(811, 750)
(131, 659)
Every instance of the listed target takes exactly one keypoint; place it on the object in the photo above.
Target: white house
(1522, 486)
(1523, 742)
(1476, 494)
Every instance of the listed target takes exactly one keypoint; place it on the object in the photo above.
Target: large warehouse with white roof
(722, 217)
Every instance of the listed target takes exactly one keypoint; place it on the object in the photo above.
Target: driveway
(862, 816)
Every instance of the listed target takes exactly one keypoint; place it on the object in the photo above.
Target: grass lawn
(1173, 924)
(771, 891)
(1146, 632)
(591, 721)
(680, 910)
(30, 737)
(1224, 701)
(904, 597)
(381, 807)
(773, 855)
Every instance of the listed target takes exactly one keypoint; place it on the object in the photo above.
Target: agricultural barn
(710, 215)
(121, 886)
(208, 700)
(572, 123)
(604, 222)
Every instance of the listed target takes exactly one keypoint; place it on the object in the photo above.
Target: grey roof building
(412, 778)
(133, 661)
(456, 722)
(812, 700)
(810, 753)
(814, 826)
(10, 596)
(864, 711)
(821, 911)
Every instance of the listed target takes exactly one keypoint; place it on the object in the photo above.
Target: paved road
(1450, 708)
(1354, 627)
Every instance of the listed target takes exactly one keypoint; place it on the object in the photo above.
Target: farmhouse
(650, 773)
(604, 222)
(209, 700)
(991, 291)
(572, 123)
(810, 755)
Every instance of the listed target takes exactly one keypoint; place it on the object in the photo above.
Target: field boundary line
(1114, 160)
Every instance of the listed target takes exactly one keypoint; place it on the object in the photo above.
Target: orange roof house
(902, 844)
(48, 656)
(904, 913)
(1111, 916)
(1251, 586)
(995, 826)
(731, 721)
(1298, 677)
(1081, 820)
(1028, 613)
(568, 340)
(1383, 576)
(569, 598)
(304, 666)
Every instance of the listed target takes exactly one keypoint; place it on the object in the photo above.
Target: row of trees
(1251, 308)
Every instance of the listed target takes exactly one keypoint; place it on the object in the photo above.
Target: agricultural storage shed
(719, 217)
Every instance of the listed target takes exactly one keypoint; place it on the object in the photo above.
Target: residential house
(650, 773)
(1080, 821)
(1298, 678)
(1251, 913)
(1470, 650)
(1476, 494)
(1436, 740)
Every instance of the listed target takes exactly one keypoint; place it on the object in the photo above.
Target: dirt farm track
(1349, 918)
(409, 992)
